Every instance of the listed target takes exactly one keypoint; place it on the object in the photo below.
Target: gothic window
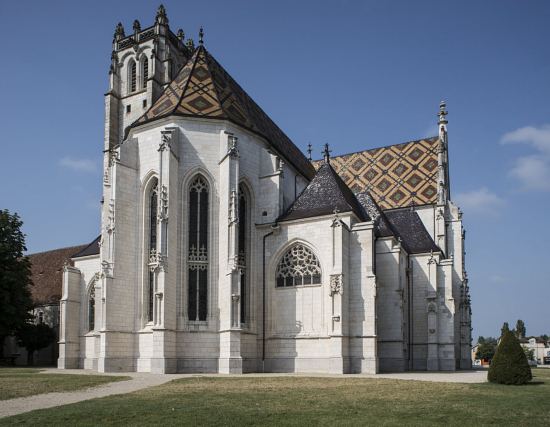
(144, 72)
(40, 317)
(298, 266)
(91, 309)
(197, 260)
(152, 244)
(132, 76)
(243, 251)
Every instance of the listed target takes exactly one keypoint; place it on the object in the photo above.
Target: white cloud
(532, 171)
(539, 138)
(480, 201)
(80, 165)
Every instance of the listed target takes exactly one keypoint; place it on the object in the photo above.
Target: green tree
(486, 348)
(520, 329)
(505, 328)
(35, 337)
(529, 353)
(510, 365)
(15, 277)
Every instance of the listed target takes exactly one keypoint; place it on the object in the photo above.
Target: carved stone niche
(336, 284)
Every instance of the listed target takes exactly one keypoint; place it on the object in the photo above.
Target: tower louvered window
(243, 251)
(91, 309)
(145, 73)
(132, 77)
(298, 266)
(153, 205)
(197, 259)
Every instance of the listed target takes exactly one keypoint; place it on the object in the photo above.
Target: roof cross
(309, 150)
(326, 153)
(201, 36)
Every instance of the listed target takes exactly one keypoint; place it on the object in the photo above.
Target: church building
(224, 248)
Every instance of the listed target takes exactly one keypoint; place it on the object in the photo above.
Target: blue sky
(355, 74)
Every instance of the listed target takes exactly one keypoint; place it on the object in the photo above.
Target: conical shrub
(509, 365)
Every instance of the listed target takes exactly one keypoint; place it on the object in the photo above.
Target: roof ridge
(58, 249)
(184, 89)
(379, 148)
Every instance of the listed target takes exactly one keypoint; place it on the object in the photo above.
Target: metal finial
(442, 112)
(326, 153)
(309, 150)
(201, 36)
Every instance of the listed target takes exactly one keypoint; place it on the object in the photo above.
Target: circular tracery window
(298, 266)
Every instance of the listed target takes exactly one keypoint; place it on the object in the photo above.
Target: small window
(40, 317)
(144, 103)
(128, 108)
(91, 309)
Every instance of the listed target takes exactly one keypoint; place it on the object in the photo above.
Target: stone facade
(374, 306)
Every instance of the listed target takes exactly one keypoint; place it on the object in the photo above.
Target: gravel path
(140, 381)
(42, 401)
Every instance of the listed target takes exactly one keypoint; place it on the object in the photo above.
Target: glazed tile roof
(409, 227)
(203, 88)
(47, 273)
(396, 176)
(324, 194)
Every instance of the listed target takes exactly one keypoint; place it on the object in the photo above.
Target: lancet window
(132, 77)
(298, 266)
(91, 309)
(144, 72)
(197, 258)
(243, 251)
(152, 244)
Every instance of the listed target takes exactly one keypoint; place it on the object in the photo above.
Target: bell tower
(142, 64)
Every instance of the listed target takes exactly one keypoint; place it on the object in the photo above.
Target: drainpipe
(275, 226)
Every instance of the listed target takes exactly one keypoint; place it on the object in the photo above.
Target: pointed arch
(297, 266)
(243, 249)
(144, 71)
(90, 301)
(150, 233)
(132, 76)
(198, 234)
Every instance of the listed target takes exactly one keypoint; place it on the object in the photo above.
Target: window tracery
(197, 258)
(298, 266)
(91, 309)
(152, 231)
(132, 77)
(144, 72)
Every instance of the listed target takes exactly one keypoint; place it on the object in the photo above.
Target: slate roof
(202, 88)
(414, 236)
(47, 273)
(383, 227)
(325, 193)
(397, 176)
(91, 249)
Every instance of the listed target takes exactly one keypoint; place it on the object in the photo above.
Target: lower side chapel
(223, 248)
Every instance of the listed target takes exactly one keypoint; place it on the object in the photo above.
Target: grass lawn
(21, 382)
(309, 401)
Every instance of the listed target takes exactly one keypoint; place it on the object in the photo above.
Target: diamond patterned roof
(203, 88)
(396, 176)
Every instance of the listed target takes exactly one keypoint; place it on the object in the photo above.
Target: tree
(529, 353)
(486, 348)
(505, 328)
(510, 365)
(15, 277)
(520, 329)
(35, 337)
